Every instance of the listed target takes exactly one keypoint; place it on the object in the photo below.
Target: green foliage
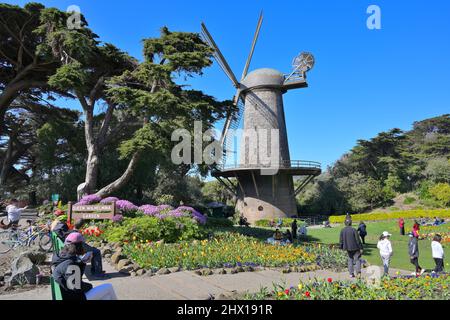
(441, 192)
(409, 214)
(146, 229)
(409, 200)
(213, 222)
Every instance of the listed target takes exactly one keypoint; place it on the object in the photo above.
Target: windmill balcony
(292, 167)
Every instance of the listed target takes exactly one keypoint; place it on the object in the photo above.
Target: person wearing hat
(385, 247)
(68, 268)
(350, 241)
(413, 250)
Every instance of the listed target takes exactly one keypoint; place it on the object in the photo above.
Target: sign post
(92, 212)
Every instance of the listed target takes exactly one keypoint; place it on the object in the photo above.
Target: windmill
(259, 101)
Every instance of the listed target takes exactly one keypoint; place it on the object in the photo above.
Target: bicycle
(13, 238)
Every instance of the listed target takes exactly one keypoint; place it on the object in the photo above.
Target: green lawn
(400, 258)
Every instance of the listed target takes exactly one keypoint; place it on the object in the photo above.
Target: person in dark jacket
(350, 241)
(413, 251)
(68, 268)
(96, 262)
(70, 282)
(362, 231)
(294, 228)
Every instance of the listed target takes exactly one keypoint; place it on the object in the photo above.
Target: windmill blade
(255, 38)
(219, 57)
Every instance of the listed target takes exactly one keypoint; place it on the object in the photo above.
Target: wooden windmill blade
(255, 39)
(219, 57)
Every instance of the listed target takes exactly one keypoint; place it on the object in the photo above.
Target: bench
(57, 246)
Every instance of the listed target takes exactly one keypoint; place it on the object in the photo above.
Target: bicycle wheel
(45, 242)
(7, 242)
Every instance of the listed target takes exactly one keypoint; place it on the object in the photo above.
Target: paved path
(187, 285)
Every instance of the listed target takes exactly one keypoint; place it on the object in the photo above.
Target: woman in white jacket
(385, 247)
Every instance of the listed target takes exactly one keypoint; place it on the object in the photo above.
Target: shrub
(410, 214)
(268, 223)
(409, 200)
(441, 192)
(147, 229)
(219, 222)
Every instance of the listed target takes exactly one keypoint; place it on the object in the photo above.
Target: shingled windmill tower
(259, 99)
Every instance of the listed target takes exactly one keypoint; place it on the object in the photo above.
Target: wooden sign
(92, 212)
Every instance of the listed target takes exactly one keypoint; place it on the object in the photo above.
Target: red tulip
(308, 294)
(330, 280)
(286, 291)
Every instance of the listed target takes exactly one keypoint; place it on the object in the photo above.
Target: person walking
(401, 225)
(350, 241)
(438, 253)
(385, 247)
(294, 229)
(362, 231)
(416, 229)
(14, 214)
(413, 250)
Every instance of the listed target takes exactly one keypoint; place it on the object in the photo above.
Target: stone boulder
(23, 271)
(123, 263)
(116, 257)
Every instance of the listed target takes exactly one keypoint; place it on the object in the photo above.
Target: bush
(410, 214)
(219, 222)
(441, 192)
(149, 229)
(409, 200)
(268, 223)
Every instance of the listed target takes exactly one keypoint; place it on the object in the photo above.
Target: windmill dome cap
(262, 77)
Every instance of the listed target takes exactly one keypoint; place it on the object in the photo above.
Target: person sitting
(14, 214)
(96, 262)
(288, 237)
(68, 269)
(243, 221)
(303, 231)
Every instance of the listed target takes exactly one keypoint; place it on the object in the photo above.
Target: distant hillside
(376, 171)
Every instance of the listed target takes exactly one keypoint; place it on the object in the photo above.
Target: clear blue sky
(365, 81)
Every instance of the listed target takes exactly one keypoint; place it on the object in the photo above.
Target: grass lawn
(400, 259)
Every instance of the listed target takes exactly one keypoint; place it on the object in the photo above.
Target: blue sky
(364, 81)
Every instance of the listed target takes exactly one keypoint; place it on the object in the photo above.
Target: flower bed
(410, 214)
(225, 250)
(402, 288)
(428, 232)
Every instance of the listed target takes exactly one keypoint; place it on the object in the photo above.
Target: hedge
(406, 214)
(286, 222)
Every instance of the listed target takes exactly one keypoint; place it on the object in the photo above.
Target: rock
(2, 283)
(248, 269)
(207, 272)
(140, 272)
(123, 263)
(163, 271)
(106, 251)
(107, 256)
(221, 271)
(285, 270)
(149, 273)
(116, 257)
(2, 278)
(136, 267)
(198, 272)
(240, 269)
(293, 269)
(234, 270)
(24, 271)
(126, 270)
(133, 274)
(174, 269)
(43, 279)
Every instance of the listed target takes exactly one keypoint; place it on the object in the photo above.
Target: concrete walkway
(187, 285)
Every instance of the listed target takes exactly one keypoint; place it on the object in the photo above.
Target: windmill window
(261, 208)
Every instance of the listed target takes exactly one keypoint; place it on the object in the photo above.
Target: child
(14, 213)
(438, 253)
(413, 250)
(385, 247)
(401, 224)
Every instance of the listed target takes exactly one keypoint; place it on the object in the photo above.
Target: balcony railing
(285, 164)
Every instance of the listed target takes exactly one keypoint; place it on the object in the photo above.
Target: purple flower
(197, 216)
(117, 218)
(125, 206)
(164, 207)
(89, 199)
(149, 209)
(109, 200)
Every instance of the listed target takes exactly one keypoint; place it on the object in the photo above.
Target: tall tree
(152, 95)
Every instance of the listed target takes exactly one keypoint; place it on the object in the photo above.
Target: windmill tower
(262, 193)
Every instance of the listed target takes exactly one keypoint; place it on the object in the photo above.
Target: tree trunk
(120, 182)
